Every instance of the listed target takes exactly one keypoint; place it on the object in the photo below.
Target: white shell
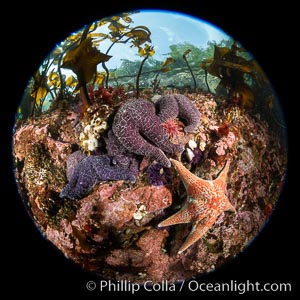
(92, 144)
(155, 98)
(82, 136)
(140, 213)
(87, 128)
(192, 144)
(190, 154)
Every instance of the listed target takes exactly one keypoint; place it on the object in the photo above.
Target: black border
(31, 265)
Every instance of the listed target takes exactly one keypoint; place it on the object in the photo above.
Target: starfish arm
(182, 216)
(221, 179)
(198, 230)
(136, 125)
(186, 176)
(82, 181)
(188, 111)
(167, 107)
(134, 142)
(192, 211)
(227, 206)
(155, 133)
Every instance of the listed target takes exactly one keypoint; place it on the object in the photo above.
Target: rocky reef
(98, 186)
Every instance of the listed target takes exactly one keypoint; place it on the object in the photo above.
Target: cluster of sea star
(137, 119)
(137, 130)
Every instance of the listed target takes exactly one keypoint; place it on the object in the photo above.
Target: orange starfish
(206, 201)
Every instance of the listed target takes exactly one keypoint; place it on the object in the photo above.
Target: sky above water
(167, 28)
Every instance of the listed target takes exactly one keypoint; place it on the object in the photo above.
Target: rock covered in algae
(108, 231)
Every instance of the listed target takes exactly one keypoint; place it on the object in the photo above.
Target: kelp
(231, 69)
(143, 52)
(184, 56)
(164, 68)
(119, 33)
(83, 60)
(79, 53)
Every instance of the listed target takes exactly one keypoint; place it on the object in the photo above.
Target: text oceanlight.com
(193, 285)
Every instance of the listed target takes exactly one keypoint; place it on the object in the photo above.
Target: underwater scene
(149, 146)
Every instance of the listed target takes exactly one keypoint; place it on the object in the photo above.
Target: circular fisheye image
(149, 146)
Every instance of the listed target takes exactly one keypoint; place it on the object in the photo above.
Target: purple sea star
(73, 160)
(135, 122)
(177, 105)
(91, 170)
(119, 154)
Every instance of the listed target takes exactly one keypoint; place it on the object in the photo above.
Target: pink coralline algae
(154, 198)
(224, 143)
(98, 212)
(135, 120)
(61, 238)
(151, 259)
(120, 212)
(112, 228)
